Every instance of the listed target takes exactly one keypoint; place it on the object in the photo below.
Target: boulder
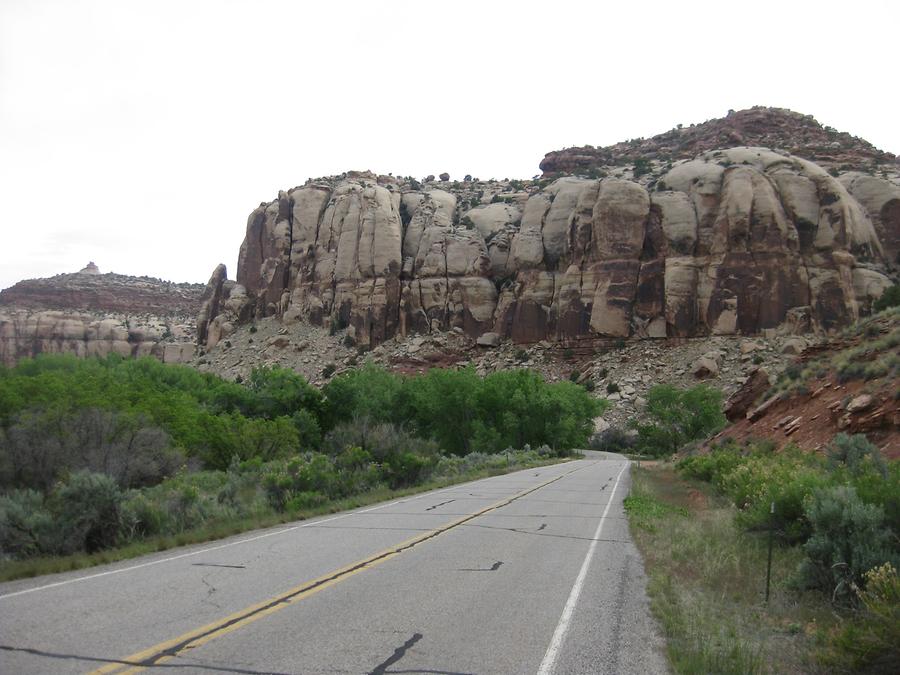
(488, 340)
(860, 403)
(793, 346)
(742, 400)
(704, 368)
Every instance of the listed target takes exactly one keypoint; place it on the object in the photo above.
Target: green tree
(679, 416)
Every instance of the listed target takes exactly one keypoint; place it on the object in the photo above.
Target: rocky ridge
(91, 291)
(787, 130)
(93, 314)
(735, 241)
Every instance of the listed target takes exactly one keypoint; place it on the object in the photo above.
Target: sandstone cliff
(786, 130)
(93, 314)
(734, 241)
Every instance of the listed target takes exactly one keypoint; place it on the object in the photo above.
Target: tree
(679, 416)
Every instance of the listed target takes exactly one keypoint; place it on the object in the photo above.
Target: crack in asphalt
(234, 567)
(492, 568)
(210, 590)
(432, 508)
(537, 533)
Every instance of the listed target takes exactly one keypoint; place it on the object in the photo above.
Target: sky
(140, 135)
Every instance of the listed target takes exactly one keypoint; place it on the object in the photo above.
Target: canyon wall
(93, 314)
(734, 241)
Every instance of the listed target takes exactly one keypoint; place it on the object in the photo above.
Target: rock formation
(786, 130)
(93, 314)
(734, 241)
(90, 291)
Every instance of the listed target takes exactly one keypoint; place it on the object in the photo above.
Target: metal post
(771, 537)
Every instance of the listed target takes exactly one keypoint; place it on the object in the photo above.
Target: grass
(707, 583)
(32, 567)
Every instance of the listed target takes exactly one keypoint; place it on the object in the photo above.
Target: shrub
(305, 500)
(870, 643)
(612, 388)
(787, 483)
(26, 526)
(568, 354)
(41, 445)
(329, 370)
(856, 454)
(848, 539)
(406, 468)
(712, 466)
(641, 167)
(890, 298)
(87, 509)
(521, 355)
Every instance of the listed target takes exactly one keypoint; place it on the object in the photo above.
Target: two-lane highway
(531, 572)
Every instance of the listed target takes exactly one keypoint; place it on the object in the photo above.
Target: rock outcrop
(91, 291)
(793, 132)
(93, 314)
(733, 242)
(26, 333)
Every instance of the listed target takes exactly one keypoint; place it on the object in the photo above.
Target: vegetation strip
(11, 571)
(166, 650)
(703, 532)
(103, 459)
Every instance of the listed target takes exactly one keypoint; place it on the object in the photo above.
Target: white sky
(141, 134)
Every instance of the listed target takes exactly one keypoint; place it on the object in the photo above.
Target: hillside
(790, 131)
(91, 291)
(847, 383)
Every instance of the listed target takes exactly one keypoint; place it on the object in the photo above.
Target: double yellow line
(200, 636)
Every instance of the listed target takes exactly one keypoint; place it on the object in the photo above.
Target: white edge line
(283, 530)
(562, 627)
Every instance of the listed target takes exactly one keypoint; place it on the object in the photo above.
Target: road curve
(530, 572)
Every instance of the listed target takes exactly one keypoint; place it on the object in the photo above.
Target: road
(530, 572)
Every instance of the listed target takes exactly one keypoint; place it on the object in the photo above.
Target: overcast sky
(140, 135)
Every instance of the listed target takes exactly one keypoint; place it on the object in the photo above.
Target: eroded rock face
(881, 200)
(733, 242)
(26, 333)
(93, 314)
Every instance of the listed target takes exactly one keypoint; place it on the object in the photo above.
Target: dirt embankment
(849, 384)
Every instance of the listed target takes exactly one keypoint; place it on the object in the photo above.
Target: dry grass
(707, 584)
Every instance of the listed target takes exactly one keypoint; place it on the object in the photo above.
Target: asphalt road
(531, 572)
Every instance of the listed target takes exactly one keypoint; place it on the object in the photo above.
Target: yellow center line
(200, 636)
